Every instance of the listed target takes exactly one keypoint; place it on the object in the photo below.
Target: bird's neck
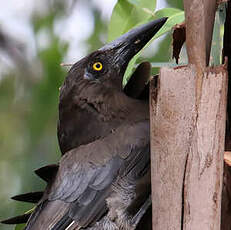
(93, 112)
(103, 102)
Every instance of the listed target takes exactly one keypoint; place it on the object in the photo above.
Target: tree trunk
(226, 193)
(186, 150)
(188, 113)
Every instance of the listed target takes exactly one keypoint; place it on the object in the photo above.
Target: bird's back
(107, 177)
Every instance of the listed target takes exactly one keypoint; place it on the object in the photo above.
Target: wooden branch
(200, 16)
(195, 34)
(187, 149)
(188, 112)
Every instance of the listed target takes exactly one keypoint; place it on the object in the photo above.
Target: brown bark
(204, 173)
(188, 112)
(187, 149)
(200, 16)
(172, 121)
(226, 193)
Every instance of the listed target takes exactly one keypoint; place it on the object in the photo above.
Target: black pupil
(98, 66)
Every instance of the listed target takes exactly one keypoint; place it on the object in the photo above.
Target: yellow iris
(97, 66)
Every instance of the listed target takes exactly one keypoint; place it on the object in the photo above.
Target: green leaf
(19, 227)
(127, 14)
(130, 69)
(217, 40)
(222, 11)
(166, 12)
(172, 21)
(175, 3)
(148, 4)
(165, 64)
(130, 13)
(134, 2)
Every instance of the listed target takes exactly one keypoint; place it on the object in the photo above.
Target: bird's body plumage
(91, 110)
(89, 181)
(93, 175)
(103, 179)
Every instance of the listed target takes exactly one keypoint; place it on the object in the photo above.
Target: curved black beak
(129, 44)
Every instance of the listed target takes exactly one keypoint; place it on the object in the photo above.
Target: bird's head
(107, 65)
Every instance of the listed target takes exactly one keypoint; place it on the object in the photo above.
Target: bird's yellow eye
(97, 66)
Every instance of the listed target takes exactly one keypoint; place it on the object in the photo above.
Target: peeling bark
(172, 120)
(204, 173)
(187, 149)
(188, 114)
(178, 39)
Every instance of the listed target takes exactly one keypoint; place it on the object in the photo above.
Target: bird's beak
(129, 44)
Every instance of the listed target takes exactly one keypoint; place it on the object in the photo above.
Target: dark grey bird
(136, 87)
(89, 111)
(103, 180)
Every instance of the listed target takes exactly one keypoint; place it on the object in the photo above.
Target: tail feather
(63, 223)
(48, 172)
(21, 219)
(31, 197)
(35, 214)
(47, 214)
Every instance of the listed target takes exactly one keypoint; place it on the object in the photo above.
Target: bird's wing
(138, 84)
(84, 178)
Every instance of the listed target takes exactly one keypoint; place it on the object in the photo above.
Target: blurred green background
(35, 37)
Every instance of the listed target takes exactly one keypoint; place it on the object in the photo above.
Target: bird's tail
(47, 173)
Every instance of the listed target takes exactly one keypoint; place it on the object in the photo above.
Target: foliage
(218, 32)
(128, 14)
(19, 226)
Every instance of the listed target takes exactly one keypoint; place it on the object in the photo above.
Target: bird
(136, 87)
(103, 179)
(77, 123)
